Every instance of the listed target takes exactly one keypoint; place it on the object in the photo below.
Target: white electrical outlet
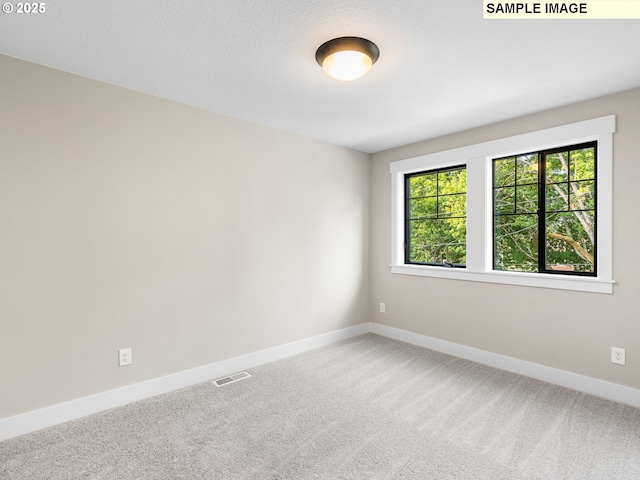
(618, 356)
(383, 308)
(124, 357)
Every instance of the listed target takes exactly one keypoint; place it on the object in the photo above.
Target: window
(538, 210)
(435, 217)
(544, 211)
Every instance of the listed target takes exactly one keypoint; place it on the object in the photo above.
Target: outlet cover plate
(124, 357)
(618, 356)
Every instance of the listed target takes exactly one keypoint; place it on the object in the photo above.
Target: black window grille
(435, 217)
(545, 211)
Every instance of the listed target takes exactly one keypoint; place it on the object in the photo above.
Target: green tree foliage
(516, 213)
(437, 226)
(569, 211)
(563, 179)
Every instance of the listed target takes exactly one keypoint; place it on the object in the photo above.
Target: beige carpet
(364, 408)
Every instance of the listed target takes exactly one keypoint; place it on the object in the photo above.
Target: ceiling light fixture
(347, 58)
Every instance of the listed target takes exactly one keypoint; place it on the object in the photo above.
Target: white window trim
(478, 160)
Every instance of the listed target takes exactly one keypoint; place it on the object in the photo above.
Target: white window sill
(541, 280)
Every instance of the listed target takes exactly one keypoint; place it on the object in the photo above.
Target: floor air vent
(231, 378)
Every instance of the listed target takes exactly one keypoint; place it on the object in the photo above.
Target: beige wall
(131, 221)
(572, 331)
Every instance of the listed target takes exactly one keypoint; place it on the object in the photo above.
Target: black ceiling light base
(348, 43)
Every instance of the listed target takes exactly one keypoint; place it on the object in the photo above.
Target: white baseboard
(574, 381)
(46, 417)
(56, 414)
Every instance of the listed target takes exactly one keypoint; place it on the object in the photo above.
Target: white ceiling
(442, 68)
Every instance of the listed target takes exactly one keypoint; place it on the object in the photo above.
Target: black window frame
(407, 219)
(542, 208)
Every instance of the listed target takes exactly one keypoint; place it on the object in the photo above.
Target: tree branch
(576, 246)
